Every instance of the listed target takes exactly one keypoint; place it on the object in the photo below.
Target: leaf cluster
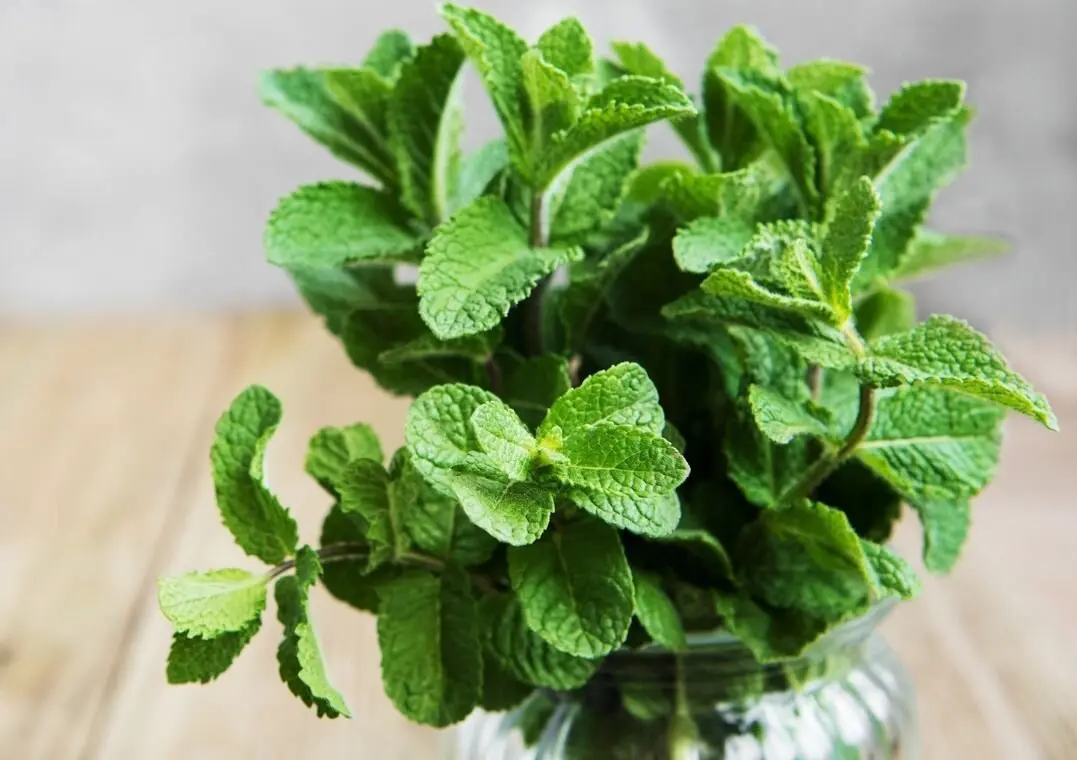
(649, 399)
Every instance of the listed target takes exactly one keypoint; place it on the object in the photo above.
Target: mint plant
(650, 400)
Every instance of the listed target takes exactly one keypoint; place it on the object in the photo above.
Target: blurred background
(137, 168)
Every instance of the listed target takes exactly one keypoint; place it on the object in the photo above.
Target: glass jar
(848, 698)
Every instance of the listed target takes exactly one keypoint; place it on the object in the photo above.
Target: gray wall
(137, 167)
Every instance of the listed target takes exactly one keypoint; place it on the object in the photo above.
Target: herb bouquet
(666, 415)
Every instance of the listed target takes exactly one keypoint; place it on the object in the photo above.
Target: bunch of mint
(651, 399)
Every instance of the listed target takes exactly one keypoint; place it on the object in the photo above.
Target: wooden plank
(248, 712)
(92, 420)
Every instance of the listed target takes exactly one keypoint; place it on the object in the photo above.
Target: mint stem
(532, 306)
(831, 460)
(683, 733)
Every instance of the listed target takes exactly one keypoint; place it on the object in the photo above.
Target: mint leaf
(497, 52)
(931, 251)
(533, 385)
(501, 690)
(211, 603)
(771, 634)
(523, 653)
(552, 103)
(424, 126)
(301, 96)
(623, 105)
(334, 224)
(363, 94)
(505, 439)
(575, 588)
(431, 656)
(513, 513)
(838, 138)
(348, 577)
(885, 312)
(845, 83)
(261, 526)
(731, 130)
(657, 613)
(567, 46)
(919, 105)
(474, 348)
(946, 525)
(782, 419)
(617, 460)
(755, 192)
(738, 284)
(845, 244)
(932, 440)
(946, 352)
(710, 241)
(594, 189)
(653, 516)
(762, 470)
(192, 659)
(367, 491)
(478, 265)
(697, 554)
(621, 395)
(332, 449)
(893, 575)
(389, 52)
(298, 656)
(806, 558)
(638, 59)
(477, 172)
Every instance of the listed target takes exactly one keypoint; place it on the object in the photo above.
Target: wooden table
(104, 485)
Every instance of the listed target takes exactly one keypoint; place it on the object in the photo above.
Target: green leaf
(775, 118)
(477, 171)
(731, 130)
(211, 603)
(533, 385)
(431, 655)
(505, 439)
(946, 524)
(762, 470)
(425, 124)
(654, 516)
(390, 50)
(478, 266)
(623, 105)
(698, 555)
(298, 656)
(552, 102)
(738, 284)
(440, 437)
(947, 352)
(523, 653)
(497, 53)
(617, 460)
(350, 579)
(369, 491)
(929, 440)
(838, 138)
(301, 96)
(336, 224)
(621, 395)
(893, 575)
(657, 613)
(885, 312)
(710, 241)
(474, 348)
(513, 513)
(931, 251)
(846, 83)
(332, 449)
(638, 59)
(567, 46)
(781, 419)
(501, 690)
(363, 94)
(806, 558)
(754, 193)
(261, 526)
(771, 634)
(192, 659)
(845, 244)
(596, 186)
(919, 105)
(907, 186)
(575, 588)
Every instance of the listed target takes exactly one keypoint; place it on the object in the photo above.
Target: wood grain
(104, 434)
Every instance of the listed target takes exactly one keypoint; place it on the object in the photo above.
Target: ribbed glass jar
(849, 698)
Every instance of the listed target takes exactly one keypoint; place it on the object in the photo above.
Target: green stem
(815, 382)
(683, 733)
(532, 306)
